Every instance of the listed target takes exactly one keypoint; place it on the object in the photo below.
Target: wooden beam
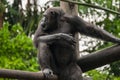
(99, 58)
(26, 75)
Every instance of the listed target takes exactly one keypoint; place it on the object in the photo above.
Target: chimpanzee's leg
(72, 72)
(45, 59)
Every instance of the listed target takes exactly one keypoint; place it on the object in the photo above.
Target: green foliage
(101, 75)
(115, 69)
(16, 49)
(56, 3)
(28, 17)
(96, 75)
(2, 7)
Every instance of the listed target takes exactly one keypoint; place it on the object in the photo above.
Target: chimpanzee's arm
(56, 37)
(90, 30)
(38, 32)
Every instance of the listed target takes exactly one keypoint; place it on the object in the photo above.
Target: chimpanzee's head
(51, 18)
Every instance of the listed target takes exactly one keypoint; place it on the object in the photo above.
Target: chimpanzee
(55, 42)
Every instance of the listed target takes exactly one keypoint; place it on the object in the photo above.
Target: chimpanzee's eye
(52, 13)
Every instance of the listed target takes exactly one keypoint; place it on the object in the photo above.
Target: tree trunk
(2, 10)
(1, 20)
(71, 9)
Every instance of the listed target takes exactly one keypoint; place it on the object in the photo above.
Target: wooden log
(99, 58)
(26, 75)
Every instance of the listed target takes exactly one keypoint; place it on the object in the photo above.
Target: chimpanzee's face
(49, 21)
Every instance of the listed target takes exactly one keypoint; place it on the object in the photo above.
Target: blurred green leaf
(16, 50)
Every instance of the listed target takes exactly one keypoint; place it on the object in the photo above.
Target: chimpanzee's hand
(67, 38)
(47, 72)
(73, 20)
(67, 18)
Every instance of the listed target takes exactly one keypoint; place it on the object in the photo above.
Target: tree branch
(26, 75)
(100, 58)
(93, 6)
